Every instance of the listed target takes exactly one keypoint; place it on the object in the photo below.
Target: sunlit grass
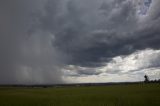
(115, 95)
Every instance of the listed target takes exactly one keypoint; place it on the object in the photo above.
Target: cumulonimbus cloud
(40, 38)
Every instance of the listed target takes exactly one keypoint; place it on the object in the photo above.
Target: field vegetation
(112, 95)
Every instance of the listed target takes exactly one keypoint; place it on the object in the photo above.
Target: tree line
(147, 80)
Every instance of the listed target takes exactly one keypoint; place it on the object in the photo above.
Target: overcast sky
(75, 41)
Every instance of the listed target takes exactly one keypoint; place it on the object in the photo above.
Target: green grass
(115, 95)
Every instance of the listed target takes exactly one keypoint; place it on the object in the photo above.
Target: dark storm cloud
(26, 54)
(9, 37)
(84, 42)
(85, 72)
(110, 33)
(77, 71)
(38, 38)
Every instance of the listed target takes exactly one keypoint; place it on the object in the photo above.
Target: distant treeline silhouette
(146, 80)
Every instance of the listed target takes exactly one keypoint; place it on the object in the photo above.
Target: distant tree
(146, 78)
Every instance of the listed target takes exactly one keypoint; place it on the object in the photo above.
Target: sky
(79, 41)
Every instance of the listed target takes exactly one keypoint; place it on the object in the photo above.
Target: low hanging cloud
(137, 61)
(41, 39)
(120, 68)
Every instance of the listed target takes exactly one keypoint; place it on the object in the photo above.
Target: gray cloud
(77, 71)
(139, 62)
(121, 68)
(39, 38)
(110, 33)
(26, 56)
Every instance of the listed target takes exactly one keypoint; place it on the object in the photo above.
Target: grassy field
(115, 95)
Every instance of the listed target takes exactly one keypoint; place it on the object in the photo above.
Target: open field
(113, 95)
